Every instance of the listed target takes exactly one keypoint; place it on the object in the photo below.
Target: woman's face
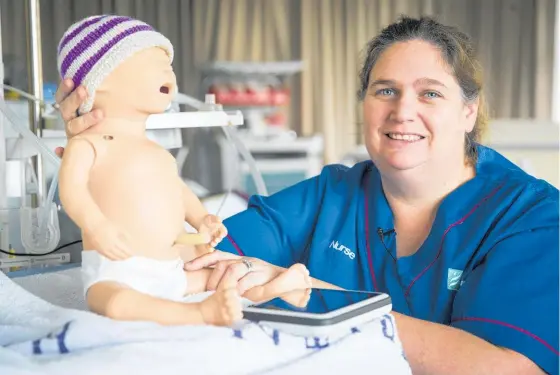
(414, 112)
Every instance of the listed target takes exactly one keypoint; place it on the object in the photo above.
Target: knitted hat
(93, 47)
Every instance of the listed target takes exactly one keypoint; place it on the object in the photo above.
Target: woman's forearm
(315, 283)
(435, 349)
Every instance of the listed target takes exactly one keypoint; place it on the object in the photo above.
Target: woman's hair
(457, 50)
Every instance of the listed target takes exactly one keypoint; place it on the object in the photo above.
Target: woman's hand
(248, 272)
(69, 100)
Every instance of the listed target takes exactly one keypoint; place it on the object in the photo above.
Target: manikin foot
(294, 278)
(298, 298)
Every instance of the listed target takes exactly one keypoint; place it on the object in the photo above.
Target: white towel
(38, 337)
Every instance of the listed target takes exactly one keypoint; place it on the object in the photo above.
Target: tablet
(319, 311)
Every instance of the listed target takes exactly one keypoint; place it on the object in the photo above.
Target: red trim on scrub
(239, 251)
(458, 222)
(491, 321)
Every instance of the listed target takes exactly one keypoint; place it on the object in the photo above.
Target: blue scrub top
(489, 265)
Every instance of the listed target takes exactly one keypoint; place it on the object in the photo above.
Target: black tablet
(319, 311)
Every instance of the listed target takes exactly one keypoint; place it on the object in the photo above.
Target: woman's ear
(471, 113)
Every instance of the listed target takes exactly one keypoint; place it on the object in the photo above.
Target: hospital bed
(55, 334)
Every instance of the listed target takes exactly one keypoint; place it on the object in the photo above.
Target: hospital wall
(328, 37)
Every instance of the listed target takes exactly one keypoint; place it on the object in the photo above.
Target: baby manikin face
(145, 81)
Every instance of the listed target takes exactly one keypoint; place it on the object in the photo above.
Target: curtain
(514, 39)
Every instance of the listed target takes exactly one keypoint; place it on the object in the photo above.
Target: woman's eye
(432, 95)
(385, 92)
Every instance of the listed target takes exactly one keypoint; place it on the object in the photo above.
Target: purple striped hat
(93, 47)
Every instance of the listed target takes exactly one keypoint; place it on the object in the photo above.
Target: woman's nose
(404, 109)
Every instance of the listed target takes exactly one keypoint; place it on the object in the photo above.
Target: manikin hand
(212, 225)
(111, 242)
(69, 100)
(223, 308)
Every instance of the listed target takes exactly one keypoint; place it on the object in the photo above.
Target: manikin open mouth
(164, 89)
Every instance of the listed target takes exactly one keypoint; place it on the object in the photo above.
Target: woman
(465, 243)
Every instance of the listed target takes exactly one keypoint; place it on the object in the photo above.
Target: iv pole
(4, 215)
(35, 74)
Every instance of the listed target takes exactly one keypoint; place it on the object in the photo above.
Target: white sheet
(37, 337)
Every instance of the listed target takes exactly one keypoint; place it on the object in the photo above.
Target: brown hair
(457, 50)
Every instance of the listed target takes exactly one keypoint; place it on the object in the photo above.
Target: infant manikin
(124, 191)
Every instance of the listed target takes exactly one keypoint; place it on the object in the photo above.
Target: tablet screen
(318, 301)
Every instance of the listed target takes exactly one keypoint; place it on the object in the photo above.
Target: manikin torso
(134, 181)
(136, 185)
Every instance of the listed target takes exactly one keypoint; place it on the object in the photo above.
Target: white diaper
(158, 278)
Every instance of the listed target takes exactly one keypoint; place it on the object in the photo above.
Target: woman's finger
(251, 280)
(70, 105)
(208, 259)
(63, 90)
(217, 274)
(228, 281)
(238, 270)
(76, 125)
(59, 151)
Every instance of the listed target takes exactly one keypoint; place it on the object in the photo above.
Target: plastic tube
(27, 134)
(231, 135)
(209, 104)
(257, 177)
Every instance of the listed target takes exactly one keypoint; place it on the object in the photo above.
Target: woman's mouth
(406, 137)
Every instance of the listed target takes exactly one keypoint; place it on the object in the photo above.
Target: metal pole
(35, 74)
(4, 215)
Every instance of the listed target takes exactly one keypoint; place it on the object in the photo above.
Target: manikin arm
(195, 212)
(78, 160)
(77, 201)
(210, 228)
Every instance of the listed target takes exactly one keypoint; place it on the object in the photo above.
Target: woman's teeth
(405, 137)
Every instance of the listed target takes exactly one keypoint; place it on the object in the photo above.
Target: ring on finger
(248, 264)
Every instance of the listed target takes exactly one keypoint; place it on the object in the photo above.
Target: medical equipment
(282, 161)
(326, 311)
(209, 105)
(40, 231)
(39, 226)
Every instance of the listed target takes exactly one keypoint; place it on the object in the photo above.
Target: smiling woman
(445, 82)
